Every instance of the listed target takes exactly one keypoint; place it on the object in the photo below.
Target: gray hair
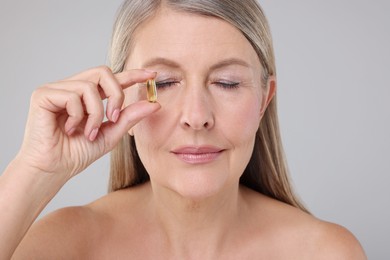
(267, 170)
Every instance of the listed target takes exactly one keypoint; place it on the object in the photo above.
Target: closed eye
(227, 85)
(165, 84)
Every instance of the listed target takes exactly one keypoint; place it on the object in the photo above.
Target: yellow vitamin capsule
(151, 90)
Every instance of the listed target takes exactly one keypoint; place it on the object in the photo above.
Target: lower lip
(198, 158)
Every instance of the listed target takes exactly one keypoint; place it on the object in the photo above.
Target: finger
(56, 101)
(125, 78)
(128, 78)
(89, 94)
(129, 116)
(94, 109)
(107, 87)
(112, 86)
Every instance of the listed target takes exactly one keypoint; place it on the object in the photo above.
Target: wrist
(24, 193)
(33, 178)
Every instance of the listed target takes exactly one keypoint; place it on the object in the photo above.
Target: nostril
(195, 126)
(197, 115)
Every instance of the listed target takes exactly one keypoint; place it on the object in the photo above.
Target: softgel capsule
(151, 90)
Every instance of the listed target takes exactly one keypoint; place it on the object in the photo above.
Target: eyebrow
(229, 62)
(173, 64)
(161, 61)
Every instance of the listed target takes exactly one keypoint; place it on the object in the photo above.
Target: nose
(197, 110)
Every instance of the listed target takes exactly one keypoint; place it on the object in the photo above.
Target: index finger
(128, 78)
(112, 86)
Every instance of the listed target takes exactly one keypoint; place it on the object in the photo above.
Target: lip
(197, 154)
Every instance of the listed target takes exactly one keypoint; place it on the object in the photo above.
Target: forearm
(24, 193)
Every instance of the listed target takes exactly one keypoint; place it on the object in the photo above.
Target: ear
(131, 132)
(268, 94)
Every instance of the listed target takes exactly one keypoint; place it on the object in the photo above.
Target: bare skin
(124, 225)
(60, 141)
(193, 206)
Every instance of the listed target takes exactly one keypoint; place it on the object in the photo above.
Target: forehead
(182, 36)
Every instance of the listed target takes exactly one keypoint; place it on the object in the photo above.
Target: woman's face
(209, 86)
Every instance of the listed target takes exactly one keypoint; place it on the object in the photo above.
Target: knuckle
(89, 88)
(73, 97)
(90, 85)
(76, 115)
(38, 92)
(104, 69)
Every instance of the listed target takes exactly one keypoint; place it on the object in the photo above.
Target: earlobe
(269, 93)
(131, 133)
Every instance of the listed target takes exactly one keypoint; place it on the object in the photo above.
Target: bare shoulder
(77, 232)
(61, 233)
(304, 236)
(337, 242)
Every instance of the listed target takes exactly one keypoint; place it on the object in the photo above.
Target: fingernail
(115, 115)
(93, 134)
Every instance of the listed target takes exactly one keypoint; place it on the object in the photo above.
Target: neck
(191, 224)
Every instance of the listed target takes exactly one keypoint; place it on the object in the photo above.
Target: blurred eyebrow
(173, 64)
(161, 61)
(229, 62)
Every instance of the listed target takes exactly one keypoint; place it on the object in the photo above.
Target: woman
(198, 175)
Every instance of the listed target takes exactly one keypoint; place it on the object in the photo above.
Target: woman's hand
(65, 131)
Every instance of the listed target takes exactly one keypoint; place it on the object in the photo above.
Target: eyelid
(227, 84)
(161, 84)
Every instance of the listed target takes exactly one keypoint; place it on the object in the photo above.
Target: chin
(198, 187)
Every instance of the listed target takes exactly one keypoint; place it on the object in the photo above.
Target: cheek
(147, 142)
(153, 130)
(153, 136)
(243, 118)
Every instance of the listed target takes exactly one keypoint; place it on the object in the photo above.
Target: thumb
(130, 116)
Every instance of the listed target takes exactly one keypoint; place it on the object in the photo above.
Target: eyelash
(230, 85)
(165, 84)
(224, 85)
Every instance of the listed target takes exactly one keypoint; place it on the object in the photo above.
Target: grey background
(333, 63)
